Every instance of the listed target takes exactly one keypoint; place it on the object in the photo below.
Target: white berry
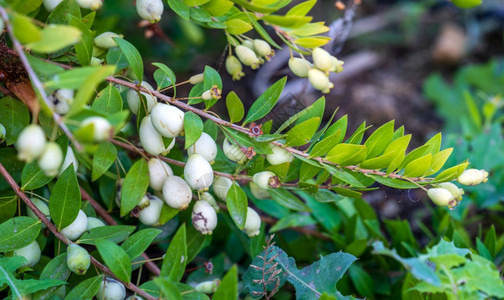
(150, 10)
(176, 193)
(101, 128)
(31, 143)
(167, 119)
(76, 228)
(253, 223)
(51, 159)
(158, 172)
(258, 192)
(69, 159)
(50, 5)
(221, 187)
(151, 140)
(204, 146)
(150, 215)
(111, 289)
(204, 217)
(93, 222)
(198, 173)
(62, 100)
(31, 253)
(78, 259)
(233, 152)
(90, 4)
(134, 99)
(279, 156)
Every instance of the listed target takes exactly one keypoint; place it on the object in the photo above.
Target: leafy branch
(269, 269)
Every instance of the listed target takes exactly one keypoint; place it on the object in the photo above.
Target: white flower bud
(61, 100)
(167, 119)
(198, 173)
(299, 66)
(454, 190)
(90, 4)
(41, 205)
(207, 287)
(158, 172)
(234, 67)
(3, 133)
(134, 99)
(204, 217)
(253, 223)
(150, 10)
(76, 228)
(151, 140)
(322, 59)
(247, 56)
(279, 156)
(473, 177)
(101, 128)
(94, 222)
(78, 259)
(233, 152)
(69, 159)
(206, 196)
(440, 196)
(318, 80)
(263, 49)
(111, 289)
(195, 79)
(31, 253)
(31, 143)
(150, 214)
(51, 159)
(204, 146)
(50, 5)
(258, 192)
(221, 187)
(266, 180)
(177, 193)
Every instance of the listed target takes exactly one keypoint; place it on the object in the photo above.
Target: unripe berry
(150, 214)
(90, 4)
(204, 146)
(204, 217)
(31, 253)
(454, 190)
(76, 228)
(31, 143)
(3, 133)
(95, 62)
(101, 128)
(51, 159)
(233, 152)
(41, 205)
(97, 51)
(207, 95)
(234, 67)
(266, 180)
(177, 193)
(207, 287)
(253, 223)
(94, 222)
(322, 59)
(440, 196)
(249, 44)
(318, 80)
(206, 196)
(337, 65)
(473, 177)
(50, 5)
(134, 99)
(279, 156)
(111, 289)
(195, 79)
(258, 192)
(221, 187)
(299, 66)
(167, 119)
(151, 140)
(247, 56)
(69, 159)
(78, 259)
(61, 100)
(150, 10)
(158, 172)
(263, 49)
(198, 173)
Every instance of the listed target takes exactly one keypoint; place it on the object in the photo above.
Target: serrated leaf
(347, 154)
(103, 158)
(379, 140)
(134, 186)
(287, 199)
(263, 105)
(193, 127)
(115, 258)
(18, 232)
(136, 244)
(302, 133)
(228, 288)
(418, 167)
(175, 258)
(65, 200)
(235, 107)
(113, 233)
(237, 203)
(86, 289)
(132, 56)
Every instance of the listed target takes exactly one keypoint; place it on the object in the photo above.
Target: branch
(109, 220)
(34, 79)
(60, 236)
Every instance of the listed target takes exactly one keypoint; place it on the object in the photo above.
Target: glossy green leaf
(302, 133)
(193, 127)
(195, 242)
(356, 137)
(263, 105)
(380, 162)
(438, 161)
(108, 101)
(218, 8)
(8, 205)
(451, 173)
(18, 232)
(86, 289)
(310, 29)
(235, 107)
(314, 110)
(228, 288)
(25, 6)
(347, 154)
(137, 243)
(312, 41)
(418, 167)
(341, 124)
(54, 38)
(65, 200)
(134, 186)
(417, 153)
(115, 258)
(344, 176)
(322, 148)
(168, 288)
(287, 199)
(113, 233)
(379, 140)
(33, 177)
(287, 21)
(180, 8)
(210, 78)
(237, 26)
(237, 203)
(132, 56)
(84, 48)
(175, 258)
(165, 77)
(14, 117)
(394, 183)
(434, 144)
(60, 14)
(55, 269)
(103, 158)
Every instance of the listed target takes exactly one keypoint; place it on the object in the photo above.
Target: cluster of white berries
(50, 5)
(448, 194)
(251, 53)
(318, 72)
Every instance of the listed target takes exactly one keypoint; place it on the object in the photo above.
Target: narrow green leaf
(86, 289)
(54, 38)
(133, 56)
(341, 124)
(134, 186)
(344, 176)
(175, 258)
(394, 183)
(262, 32)
(14, 117)
(103, 158)
(417, 153)
(18, 232)
(108, 101)
(237, 26)
(65, 200)
(237, 203)
(234, 107)
(438, 161)
(24, 29)
(302, 8)
(347, 154)
(314, 110)
(33, 177)
(321, 148)
(302, 133)
(287, 199)
(84, 48)
(228, 288)
(263, 105)
(451, 173)
(113, 233)
(418, 167)
(379, 140)
(193, 127)
(8, 205)
(136, 244)
(115, 258)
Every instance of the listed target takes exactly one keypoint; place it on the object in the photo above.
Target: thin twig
(60, 236)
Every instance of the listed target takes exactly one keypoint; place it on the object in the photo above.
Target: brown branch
(60, 236)
(109, 220)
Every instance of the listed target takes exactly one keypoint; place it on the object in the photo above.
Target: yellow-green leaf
(438, 160)
(302, 133)
(55, 37)
(237, 26)
(418, 167)
(347, 154)
(312, 42)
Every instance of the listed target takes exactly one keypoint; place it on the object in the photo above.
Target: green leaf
(18, 232)
(24, 29)
(113, 233)
(467, 3)
(179, 7)
(237, 26)
(103, 158)
(379, 140)
(314, 110)
(175, 258)
(8, 158)
(193, 127)
(302, 133)
(165, 77)
(418, 167)
(287, 21)
(65, 8)
(322, 148)
(108, 101)
(394, 183)
(287, 199)
(380, 162)
(451, 173)
(237, 203)
(134, 187)
(54, 38)
(33, 177)
(86, 289)
(136, 244)
(84, 48)
(115, 258)
(168, 288)
(234, 107)
(347, 154)
(356, 137)
(8, 205)
(195, 242)
(417, 153)
(55, 269)
(25, 6)
(302, 8)
(341, 124)
(218, 8)
(228, 288)
(362, 281)
(14, 117)
(132, 56)
(344, 176)
(263, 105)
(438, 161)
(292, 220)
(65, 200)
